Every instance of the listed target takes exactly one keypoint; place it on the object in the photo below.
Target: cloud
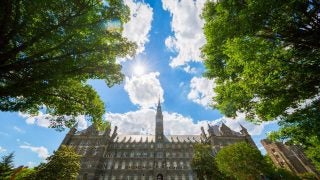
(139, 26)
(144, 90)
(18, 129)
(201, 91)
(2, 149)
(41, 151)
(253, 129)
(190, 69)
(43, 120)
(143, 122)
(187, 28)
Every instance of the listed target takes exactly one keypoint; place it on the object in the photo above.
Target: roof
(151, 138)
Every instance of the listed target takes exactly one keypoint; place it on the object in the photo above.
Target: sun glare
(138, 69)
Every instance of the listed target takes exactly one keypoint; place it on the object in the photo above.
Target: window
(183, 177)
(174, 164)
(109, 165)
(123, 164)
(181, 165)
(95, 151)
(117, 154)
(168, 164)
(116, 165)
(159, 154)
(159, 177)
(85, 176)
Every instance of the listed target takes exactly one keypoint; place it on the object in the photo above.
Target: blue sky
(167, 65)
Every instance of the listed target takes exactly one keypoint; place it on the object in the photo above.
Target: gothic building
(110, 156)
(290, 157)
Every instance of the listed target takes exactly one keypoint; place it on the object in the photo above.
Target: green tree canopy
(264, 55)
(6, 166)
(49, 49)
(241, 161)
(203, 163)
(63, 164)
(265, 58)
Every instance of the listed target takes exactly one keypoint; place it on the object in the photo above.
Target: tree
(49, 49)
(265, 59)
(203, 163)
(63, 164)
(273, 172)
(25, 174)
(302, 128)
(241, 161)
(263, 55)
(6, 166)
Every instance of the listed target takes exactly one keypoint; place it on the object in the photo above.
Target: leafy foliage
(63, 164)
(203, 163)
(302, 127)
(265, 58)
(25, 174)
(6, 166)
(274, 172)
(49, 49)
(264, 55)
(241, 161)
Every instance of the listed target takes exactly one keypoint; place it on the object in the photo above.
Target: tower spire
(159, 123)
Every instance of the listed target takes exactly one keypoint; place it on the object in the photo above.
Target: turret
(225, 130)
(243, 130)
(71, 132)
(159, 124)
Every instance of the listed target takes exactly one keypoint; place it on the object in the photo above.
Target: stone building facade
(110, 156)
(290, 157)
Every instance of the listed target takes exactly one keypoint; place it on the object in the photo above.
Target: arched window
(85, 176)
(159, 177)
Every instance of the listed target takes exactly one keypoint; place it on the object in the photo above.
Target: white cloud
(18, 129)
(43, 120)
(139, 26)
(253, 129)
(41, 151)
(187, 28)
(143, 122)
(2, 149)
(144, 90)
(201, 91)
(190, 69)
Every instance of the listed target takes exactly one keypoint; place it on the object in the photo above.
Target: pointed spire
(159, 123)
(159, 104)
(243, 130)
